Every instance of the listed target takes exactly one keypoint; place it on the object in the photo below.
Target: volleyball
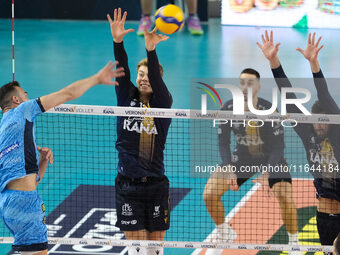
(169, 19)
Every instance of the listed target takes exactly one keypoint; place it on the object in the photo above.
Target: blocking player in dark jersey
(142, 189)
(21, 168)
(254, 146)
(321, 141)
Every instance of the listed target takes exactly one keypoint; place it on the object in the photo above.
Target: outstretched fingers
(109, 18)
(318, 50)
(119, 16)
(115, 15)
(260, 45)
(317, 43)
(124, 17)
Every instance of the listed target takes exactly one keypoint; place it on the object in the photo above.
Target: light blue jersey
(22, 211)
(18, 152)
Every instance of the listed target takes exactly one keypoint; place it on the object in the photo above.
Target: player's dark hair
(337, 245)
(317, 108)
(251, 71)
(6, 93)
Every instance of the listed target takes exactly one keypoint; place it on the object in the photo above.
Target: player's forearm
(42, 168)
(122, 58)
(315, 66)
(274, 63)
(78, 88)
(160, 91)
(323, 93)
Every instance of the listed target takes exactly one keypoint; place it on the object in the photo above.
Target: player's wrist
(118, 40)
(274, 63)
(95, 79)
(150, 48)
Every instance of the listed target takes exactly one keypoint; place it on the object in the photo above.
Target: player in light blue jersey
(21, 169)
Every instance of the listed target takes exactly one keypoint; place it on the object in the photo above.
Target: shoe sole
(196, 32)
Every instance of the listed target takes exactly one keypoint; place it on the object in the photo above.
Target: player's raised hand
(312, 50)
(152, 39)
(269, 49)
(108, 73)
(45, 154)
(117, 25)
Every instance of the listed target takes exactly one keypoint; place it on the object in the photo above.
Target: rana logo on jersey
(138, 126)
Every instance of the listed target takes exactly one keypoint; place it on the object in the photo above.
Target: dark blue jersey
(323, 154)
(266, 142)
(18, 153)
(141, 140)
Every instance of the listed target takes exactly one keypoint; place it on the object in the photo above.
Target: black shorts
(328, 227)
(242, 176)
(142, 204)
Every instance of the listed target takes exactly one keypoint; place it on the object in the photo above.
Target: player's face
(249, 81)
(143, 83)
(321, 129)
(21, 96)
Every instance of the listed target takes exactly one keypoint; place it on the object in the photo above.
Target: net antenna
(13, 64)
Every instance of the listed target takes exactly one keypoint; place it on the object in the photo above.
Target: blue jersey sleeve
(31, 109)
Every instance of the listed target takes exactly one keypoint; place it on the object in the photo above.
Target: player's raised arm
(270, 51)
(162, 96)
(78, 88)
(118, 31)
(311, 54)
(117, 25)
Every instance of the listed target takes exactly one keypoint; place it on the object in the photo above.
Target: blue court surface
(50, 54)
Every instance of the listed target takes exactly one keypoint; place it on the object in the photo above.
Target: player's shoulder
(27, 104)
(263, 104)
(228, 106)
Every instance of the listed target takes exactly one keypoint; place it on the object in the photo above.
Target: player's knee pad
(154, 250)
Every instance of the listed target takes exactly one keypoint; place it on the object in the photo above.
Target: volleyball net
(79, 194)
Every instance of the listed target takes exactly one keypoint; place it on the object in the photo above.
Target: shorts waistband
(143, 179)
(322, 214)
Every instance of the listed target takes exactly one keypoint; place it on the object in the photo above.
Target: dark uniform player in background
(21, 208)
(142, 189)
(254, 146)
(321, 141)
